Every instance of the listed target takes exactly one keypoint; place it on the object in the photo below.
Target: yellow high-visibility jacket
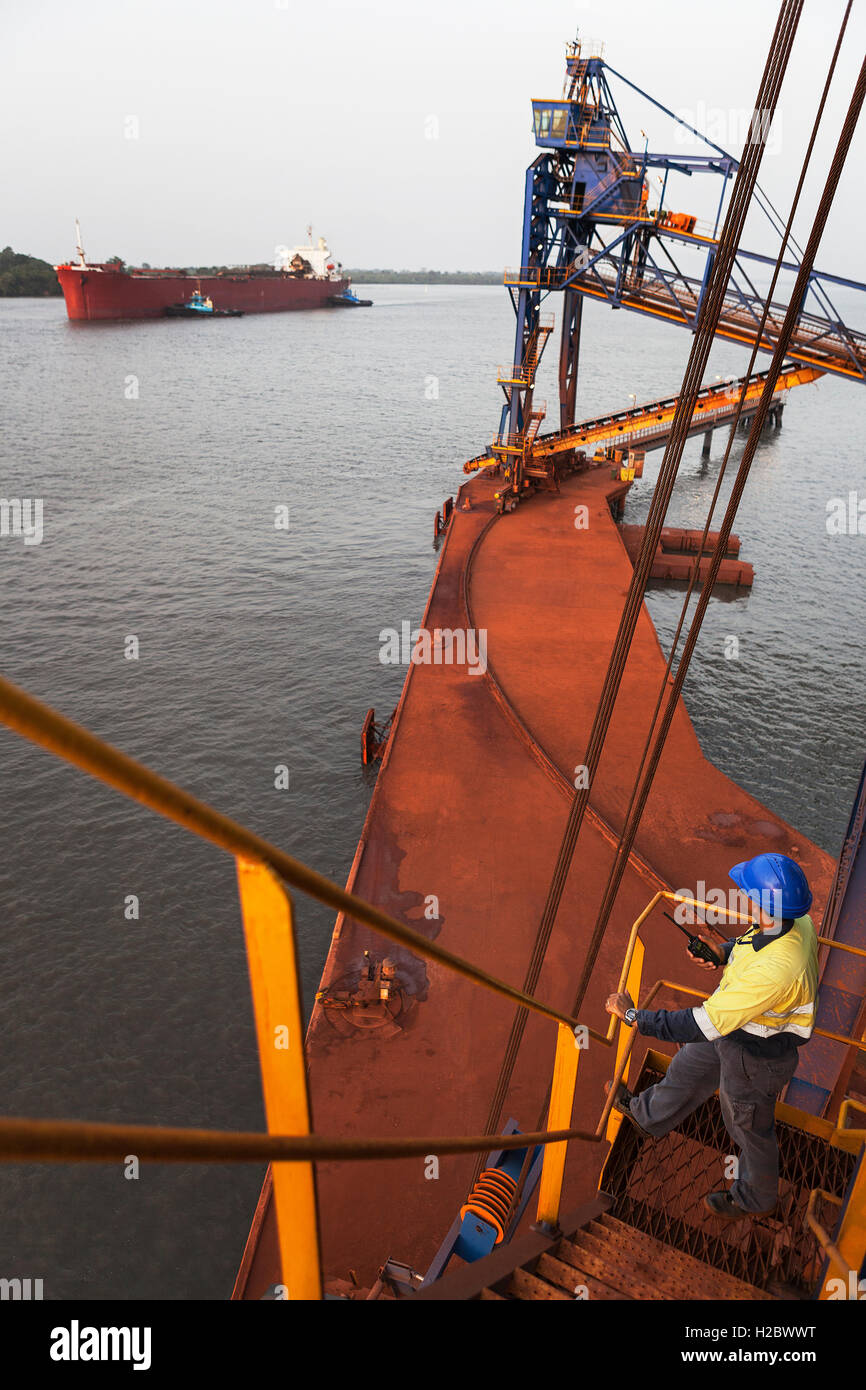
(766, 992)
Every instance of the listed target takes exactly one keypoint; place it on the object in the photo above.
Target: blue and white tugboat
(199, 307)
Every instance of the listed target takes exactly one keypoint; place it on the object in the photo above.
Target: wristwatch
(631, 1017)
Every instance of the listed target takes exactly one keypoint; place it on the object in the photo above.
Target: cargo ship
(302, 277)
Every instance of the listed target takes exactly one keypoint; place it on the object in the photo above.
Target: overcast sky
(188, 132)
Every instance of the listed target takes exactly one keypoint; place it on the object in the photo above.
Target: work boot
(622, 1105)
(722, 1204)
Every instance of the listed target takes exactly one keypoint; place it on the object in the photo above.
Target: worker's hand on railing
(705, 964)
(618, 1003)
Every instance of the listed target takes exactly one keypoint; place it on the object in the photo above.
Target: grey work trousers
(748, 1087)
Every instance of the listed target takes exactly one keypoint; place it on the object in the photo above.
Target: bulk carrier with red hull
(305, 278)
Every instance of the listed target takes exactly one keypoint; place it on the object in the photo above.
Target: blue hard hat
(776, 883)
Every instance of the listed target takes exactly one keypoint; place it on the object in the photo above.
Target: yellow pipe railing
(278, 1010)
(850, 1243)
(567, 1053)
(558, 1117)
(849, 1103)
(77, 745)
(629, 982)
(23, 1140)
(830, 1249)
(623, 1050)
(272, 959)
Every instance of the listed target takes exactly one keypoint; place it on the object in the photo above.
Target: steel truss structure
(589, 232)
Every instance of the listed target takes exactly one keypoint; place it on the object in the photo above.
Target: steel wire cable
(631, 819)
(765, 104)
(70, 741)
(640, 790)
(788, 326)
(633, 816)
(62, 1141)
(743, 471)
(739, 204)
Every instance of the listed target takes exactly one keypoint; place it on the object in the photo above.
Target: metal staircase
(647, 1235)
(584, 203)
(608, 1260)
(657, 1187)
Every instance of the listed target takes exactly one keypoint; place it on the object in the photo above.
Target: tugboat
(349, 300)
(197, 306)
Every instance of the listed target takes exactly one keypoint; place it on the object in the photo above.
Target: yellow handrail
(631, 985)
(850, 1242)
(77, 745)
(272, 960)
(818, 1231)
(279, 1017)
(629, 982)
(558, 1117)
(849, 1103)
(24, 1140)
(565, 1075)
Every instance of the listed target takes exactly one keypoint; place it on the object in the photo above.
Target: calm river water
(161, 451)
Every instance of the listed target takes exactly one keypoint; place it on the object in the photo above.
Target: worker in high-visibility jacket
(744, 1039)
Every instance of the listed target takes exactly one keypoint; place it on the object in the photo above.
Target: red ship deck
(470, 805)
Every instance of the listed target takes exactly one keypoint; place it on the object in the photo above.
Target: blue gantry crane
(589, 232)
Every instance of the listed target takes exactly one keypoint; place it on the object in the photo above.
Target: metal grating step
(673, 1270)
(529, 1288)
(590, 1257)
(555, 1270)
(608, 1261)
(658, 1187)
(605, 1260)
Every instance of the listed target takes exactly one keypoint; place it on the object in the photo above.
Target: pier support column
(708, 441)
(569, 361)
(569, 356)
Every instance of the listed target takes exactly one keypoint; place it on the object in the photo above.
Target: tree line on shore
(425, 277)
(22, 276)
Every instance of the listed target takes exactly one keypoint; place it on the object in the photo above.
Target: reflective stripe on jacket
(766, 992)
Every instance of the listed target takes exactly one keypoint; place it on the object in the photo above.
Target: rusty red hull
(99, 292)
(466, 818)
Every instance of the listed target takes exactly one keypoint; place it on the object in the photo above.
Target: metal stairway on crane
(522, 374)
(606, 1260)
(647, 1235)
